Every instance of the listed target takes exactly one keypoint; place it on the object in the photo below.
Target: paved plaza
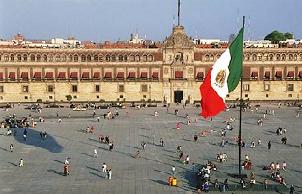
(43, 160)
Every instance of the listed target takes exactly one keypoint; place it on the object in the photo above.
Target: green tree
(275, 37)
(288, 35)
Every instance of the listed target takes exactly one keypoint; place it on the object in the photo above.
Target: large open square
(44, 159)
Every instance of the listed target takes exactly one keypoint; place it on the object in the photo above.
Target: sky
(100, 20)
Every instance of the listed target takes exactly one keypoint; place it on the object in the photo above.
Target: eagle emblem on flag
(220, 78)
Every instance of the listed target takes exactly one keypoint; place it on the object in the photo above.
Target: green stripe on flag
(235, 66)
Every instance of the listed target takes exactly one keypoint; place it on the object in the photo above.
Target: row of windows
(74, 88)
(259, 57)
(278, 75)
(267, 87)
(75, 58)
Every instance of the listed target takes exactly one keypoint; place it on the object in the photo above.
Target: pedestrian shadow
(59, 161)
(170, 151)
(96, 174)
(160, 182)
(4, 149)
(13, 164)
(87, 155)
(289, 145)
(91, 168)
(56, 172)
(94, 140)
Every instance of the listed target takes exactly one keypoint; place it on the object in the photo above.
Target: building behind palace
(141, 70)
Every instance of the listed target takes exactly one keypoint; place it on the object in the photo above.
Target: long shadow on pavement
(34, 139)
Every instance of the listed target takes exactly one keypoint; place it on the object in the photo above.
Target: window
(228, 95)
(121, 96)
(266, 95)
(290, 95)
(144, 88)
(25, 97)
(1, 89)
(25, 89)
(74, 88)
(75, 58)
(50, 97)
(290, 87)
(50, 88)
(97, 88)
(97, 96)
(266, 87)
(246, 95)
(246, 87)
(121, 88)
(144, 96)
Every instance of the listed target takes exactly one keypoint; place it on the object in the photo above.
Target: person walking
(109, 174)
(162, 142)
(21, 163)
(284, 166)
(291, 189)
(269, 145)
(173, 170)
(95, 153)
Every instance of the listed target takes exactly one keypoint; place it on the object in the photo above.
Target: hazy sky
(101, 20)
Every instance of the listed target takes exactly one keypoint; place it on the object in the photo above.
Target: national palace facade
(171, 72)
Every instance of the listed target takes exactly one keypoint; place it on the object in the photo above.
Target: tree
(277, 36)
(288, 35)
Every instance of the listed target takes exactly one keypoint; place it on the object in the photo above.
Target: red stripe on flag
(211, 102)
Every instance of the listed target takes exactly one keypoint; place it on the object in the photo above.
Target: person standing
(24, 134)
(104, 167)
(98, 118)
(11, 147)
(269, 145)
(95, 153)
(161, 142)
(291, 189)
(109, 174)
(284, 166)
(173, 170)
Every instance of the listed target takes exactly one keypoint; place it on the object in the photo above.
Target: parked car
(54, 106)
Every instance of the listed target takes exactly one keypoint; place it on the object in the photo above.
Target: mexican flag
(222, 78)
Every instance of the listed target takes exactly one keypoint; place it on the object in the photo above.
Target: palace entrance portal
(178, 96)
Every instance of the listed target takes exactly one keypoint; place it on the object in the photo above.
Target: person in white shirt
(277, 166)
(104, 167)
(284, 166)
(95, 153)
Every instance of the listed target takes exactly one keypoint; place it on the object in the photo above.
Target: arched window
(12, 57)
(107, 58)
(120, 58)
(50, 58)
(206, 57)
(295, 57)
(211, 57)
(100, 58)
(145, 58)
(0, 57)
(95, 58)
(44, 58)
(32, 58)
(254, 57)
(131, 58)
(6, 58)
(271, 57)
(301, 57)
(150, 58)
(25, 57)
(83, 58)
(246, 57)
(137, 58)
(63, 58)
(125, 58)
(89, 58)
(278, 57)
(259, 57)
(38, 58)
(70, 58)
(75, 58)
(19, 58)
(283, 57)
(113, 58)
(58, 58)
(290, 57)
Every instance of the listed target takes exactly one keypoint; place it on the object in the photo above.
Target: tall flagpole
(178, 13)
(240, 114)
